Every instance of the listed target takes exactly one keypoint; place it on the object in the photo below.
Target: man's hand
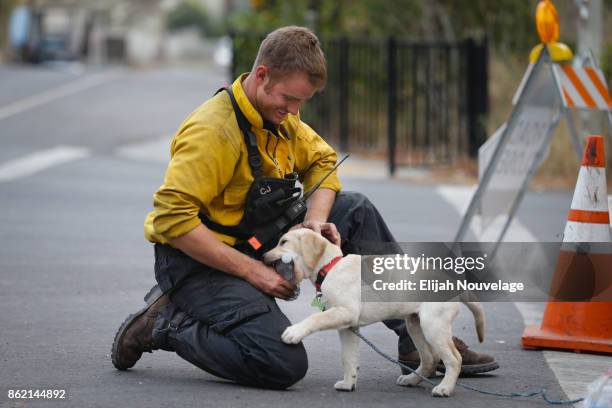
(327, 229)
(203, 246)
(268, 281)
(320, 205)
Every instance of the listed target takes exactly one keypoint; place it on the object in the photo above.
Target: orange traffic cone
(581, 326)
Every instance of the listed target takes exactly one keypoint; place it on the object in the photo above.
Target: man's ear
(261, 74)
(312, 247)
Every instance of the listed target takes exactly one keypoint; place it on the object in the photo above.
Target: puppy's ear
(312, 246)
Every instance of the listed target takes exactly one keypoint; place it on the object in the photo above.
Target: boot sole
(465, 370)
(154, 294)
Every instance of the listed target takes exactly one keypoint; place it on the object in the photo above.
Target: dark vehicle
(55, 47)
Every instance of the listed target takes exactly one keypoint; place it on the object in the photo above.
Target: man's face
(277, 98)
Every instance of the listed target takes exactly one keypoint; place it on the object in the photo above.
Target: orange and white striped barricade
(582, 87)
(548, 92)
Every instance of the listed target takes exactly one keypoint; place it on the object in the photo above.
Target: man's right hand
(270, 282)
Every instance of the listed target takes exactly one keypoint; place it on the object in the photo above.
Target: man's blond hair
(292, 49)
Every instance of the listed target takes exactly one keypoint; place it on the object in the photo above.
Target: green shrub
(191, 14)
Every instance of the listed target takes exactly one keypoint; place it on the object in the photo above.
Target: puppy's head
(304, 246)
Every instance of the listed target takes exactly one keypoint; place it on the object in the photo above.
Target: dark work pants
(230, 329)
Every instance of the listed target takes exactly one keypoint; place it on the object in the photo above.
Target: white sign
(521, 150)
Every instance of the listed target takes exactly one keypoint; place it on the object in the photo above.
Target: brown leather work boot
(135, 335)
(472, 362)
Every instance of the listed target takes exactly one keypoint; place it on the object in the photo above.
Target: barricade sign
(548, 92)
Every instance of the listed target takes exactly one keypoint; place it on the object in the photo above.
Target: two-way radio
(264, 234)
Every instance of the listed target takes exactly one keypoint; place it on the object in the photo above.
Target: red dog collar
(323, 272)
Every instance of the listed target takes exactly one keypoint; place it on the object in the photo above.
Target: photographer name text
(435, 286)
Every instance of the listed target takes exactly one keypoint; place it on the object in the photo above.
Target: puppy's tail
(476, 309)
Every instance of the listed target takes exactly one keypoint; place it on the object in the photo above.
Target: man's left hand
(327, 229)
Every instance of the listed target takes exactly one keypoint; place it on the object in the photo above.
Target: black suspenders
(249, 137)
(239, 231)
(268, 198)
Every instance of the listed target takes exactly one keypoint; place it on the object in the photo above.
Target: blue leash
(542, 392)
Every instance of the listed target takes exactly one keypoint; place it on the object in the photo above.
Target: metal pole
(589, 24)
(414, 93)
(477, 91)
(428, 92)
(234, 65)
(344, 93)
(392, 102)
(499, 149)
(608, 113)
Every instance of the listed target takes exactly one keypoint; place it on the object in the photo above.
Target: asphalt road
(74, 263)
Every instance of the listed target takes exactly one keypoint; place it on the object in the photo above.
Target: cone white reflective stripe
(590, 194)
(581, 232)
(589, 217)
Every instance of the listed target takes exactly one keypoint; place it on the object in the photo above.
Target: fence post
(234, 65)
(477, 93)
(392, 102)
(344, 93)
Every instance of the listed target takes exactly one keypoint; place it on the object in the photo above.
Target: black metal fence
(417, 103)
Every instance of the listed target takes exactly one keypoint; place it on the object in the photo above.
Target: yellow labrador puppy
(429, 323)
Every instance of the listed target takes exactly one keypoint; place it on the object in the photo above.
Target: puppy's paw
(293, 334)
(442, 391)
(409, 380)
(344, 386)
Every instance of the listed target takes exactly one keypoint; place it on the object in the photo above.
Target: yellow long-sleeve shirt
(209, 170)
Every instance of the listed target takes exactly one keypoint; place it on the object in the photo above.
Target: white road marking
(51, 95)
(39, 161)
(157, 150)
(575, 371)
(459, 197)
